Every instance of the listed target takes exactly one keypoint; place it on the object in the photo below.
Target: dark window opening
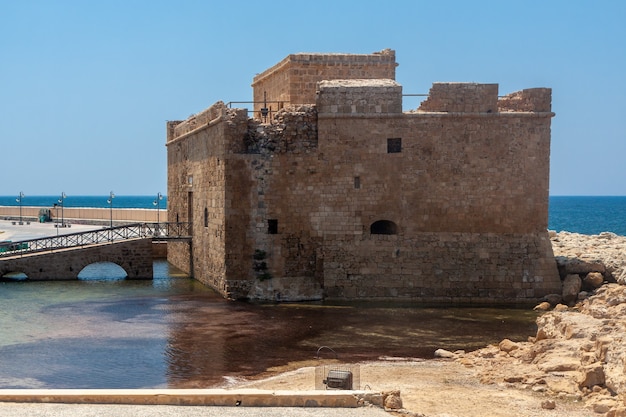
(357, 182)
(272, 226)
(394, 145)
(384, 227)
(206, 217)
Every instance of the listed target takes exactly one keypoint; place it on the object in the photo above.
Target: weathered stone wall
(457, 173)
(179, 255)
(202, 119)
(159, 250)
(293, 80)
(461, 97)
(441, 267)
(134, 256)
(468, 192)
(294, 130)
(529, 100)
(461, 187)
(197, 170)
(359, 96)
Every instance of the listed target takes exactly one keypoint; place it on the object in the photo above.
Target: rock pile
(603, 254)
(579, 351)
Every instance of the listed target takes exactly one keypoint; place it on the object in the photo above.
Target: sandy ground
(435, 388)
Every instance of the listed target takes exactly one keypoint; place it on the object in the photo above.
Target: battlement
(359, 96)
(462, 98)
(483, 98)
(528, 100)
(179, 128)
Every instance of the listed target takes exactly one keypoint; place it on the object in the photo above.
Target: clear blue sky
(87, 86)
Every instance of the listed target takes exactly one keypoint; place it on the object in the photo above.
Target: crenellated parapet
(176, 129)
(461, 98)
(361, 96)
(528, 100)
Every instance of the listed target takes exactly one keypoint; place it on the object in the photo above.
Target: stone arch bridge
(63, 257)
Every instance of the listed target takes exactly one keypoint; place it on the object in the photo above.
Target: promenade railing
(156, 231)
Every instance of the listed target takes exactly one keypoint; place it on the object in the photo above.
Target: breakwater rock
(579, 351)
(578, 254)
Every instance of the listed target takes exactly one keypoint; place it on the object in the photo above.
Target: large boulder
(507, 345)
(553, 299)
(593, 280)
(571, 287)
(591, 375)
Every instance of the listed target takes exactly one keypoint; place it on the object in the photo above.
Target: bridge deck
(156, 231)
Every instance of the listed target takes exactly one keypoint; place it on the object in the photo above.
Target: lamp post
(56, 217)
(19, 200)
(157, 203)
(110, 201)
(62, 202)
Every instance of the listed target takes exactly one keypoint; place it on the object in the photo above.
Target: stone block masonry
(293, 80)
(134, 256)
(347, 197)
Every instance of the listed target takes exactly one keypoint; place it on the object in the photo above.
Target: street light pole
(19, 200)
(62, 202)
(110, 201)
(157, 203)
(56, 217)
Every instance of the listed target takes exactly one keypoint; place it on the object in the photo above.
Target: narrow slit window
(394, 145)
(206, 217)
(272, 226)
(357, 182)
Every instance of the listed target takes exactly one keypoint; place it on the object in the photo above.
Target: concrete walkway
(187, 402)
(16, 232)
(102, 410)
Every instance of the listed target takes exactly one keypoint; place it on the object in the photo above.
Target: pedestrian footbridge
(62, 257)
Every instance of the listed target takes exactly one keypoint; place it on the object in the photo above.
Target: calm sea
(120, 201)
(587, 215)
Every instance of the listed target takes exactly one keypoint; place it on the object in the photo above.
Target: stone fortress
(331, 191)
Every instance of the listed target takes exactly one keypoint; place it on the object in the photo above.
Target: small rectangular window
(394, 145)
(272, 226)
(357, 182)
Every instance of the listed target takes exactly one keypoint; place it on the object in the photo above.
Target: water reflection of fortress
(330, 190)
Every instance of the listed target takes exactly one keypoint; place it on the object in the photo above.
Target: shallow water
(174, 332)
